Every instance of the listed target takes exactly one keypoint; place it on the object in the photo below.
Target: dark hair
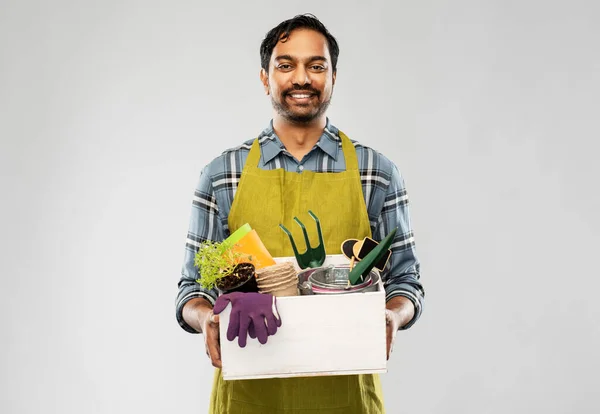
(283, 30)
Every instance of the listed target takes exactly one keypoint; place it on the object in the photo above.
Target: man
(358, 192)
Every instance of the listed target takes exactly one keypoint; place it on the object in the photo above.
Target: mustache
(303, 88)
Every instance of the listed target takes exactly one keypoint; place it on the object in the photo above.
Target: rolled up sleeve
(402, 275)
(204, 225)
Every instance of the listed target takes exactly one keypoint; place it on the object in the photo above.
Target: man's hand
(210, 328)
(399, 311)
(392, 325)
(199, 315)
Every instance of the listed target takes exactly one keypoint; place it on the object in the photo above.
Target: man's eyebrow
(284, 57)
(313, 58)
(310, 59)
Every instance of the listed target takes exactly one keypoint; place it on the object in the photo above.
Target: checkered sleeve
(401, 277)
(204, 225)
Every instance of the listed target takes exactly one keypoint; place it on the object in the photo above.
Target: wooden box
(320, 335)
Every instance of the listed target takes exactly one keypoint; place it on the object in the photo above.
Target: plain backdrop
(108, 111)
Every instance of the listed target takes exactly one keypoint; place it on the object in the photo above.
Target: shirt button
(300, 167)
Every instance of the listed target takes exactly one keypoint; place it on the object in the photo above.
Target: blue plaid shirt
(383, 190)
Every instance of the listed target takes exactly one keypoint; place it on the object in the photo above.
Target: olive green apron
(266, 198)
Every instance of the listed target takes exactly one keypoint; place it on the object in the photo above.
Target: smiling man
(300, 153)
(301, 80)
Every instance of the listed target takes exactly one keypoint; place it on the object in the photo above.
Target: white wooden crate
(320, 335)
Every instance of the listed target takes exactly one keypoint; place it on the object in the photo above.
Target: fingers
(233, 329)
(391, 328)
(389, 342)
(214, 353)
(243, 332)
(275, 311)
(251, 331)
(272, 324)
(211, 341)
(221, 304)
(260, 328)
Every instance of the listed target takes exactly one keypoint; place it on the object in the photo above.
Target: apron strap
(253, 156)
(347, 148)
(349, 153)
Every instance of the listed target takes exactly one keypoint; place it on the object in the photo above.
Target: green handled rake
(314, 256)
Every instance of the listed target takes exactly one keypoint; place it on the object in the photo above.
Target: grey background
(108, 110)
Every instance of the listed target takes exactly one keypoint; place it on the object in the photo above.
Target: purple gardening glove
(251, 313)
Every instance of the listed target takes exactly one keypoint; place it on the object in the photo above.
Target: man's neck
(299, 139)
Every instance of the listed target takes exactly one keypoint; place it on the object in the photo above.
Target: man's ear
(333, 78)
(264, 79)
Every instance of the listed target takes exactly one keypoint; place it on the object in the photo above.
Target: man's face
(300, 79)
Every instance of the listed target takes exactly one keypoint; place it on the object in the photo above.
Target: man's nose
(301, 76)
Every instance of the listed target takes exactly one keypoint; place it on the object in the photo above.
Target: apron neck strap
(349, 152)
(347, 148)
(253, 156)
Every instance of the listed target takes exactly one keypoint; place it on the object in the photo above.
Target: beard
(300, 117)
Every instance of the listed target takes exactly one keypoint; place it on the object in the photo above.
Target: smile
(300, 95)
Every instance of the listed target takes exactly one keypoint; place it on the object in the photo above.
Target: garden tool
(365, 265)
(237, 235)
(314, 256)
(252, 250)
(364, 247)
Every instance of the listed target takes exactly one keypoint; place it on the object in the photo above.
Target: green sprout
(214, 261)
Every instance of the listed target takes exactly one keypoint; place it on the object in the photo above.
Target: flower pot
(278, 280)
(242, 279)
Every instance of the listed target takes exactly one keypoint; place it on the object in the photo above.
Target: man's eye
(284, 66)
(318, 67)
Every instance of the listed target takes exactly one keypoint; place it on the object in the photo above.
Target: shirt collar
(271, 145)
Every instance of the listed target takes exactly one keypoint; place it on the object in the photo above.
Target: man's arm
(404, 291)
(194, 313)
(204, 225)
(403, 309)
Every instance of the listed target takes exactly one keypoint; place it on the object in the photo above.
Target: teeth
(298, 96)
